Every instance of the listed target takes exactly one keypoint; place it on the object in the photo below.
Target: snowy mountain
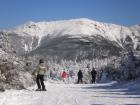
(74, 39)
(77, 40)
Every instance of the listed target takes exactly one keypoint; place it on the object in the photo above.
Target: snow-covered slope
(76, 94)
(73, 34)
(73, 27)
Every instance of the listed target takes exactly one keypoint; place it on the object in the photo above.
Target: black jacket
(93, 72)
(80, 74)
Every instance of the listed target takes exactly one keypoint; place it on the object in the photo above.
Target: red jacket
(64, 74)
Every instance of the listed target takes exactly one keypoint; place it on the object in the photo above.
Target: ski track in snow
(71, 94)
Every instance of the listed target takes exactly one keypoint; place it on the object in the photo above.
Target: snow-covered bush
(125, 67)
(71, 67)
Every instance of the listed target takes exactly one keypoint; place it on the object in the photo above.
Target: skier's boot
(44, 89)
(38, 90)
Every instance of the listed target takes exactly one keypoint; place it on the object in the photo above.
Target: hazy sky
(17, 12)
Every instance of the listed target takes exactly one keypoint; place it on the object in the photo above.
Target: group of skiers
(41, 70)
(93, 73)
(80, 76)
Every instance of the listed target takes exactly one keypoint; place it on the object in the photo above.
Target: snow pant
(64, 79)
(80, 80)
(93, 79)
(40, 81)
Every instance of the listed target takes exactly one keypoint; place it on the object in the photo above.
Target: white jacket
(40, 69)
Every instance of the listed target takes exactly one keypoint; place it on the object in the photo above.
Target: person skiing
(93, 75)
(80, 76)
(40, 72)
(64, 75)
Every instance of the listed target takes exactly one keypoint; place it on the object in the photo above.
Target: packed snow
(111, 93)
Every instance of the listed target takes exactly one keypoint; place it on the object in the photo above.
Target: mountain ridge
(32, 36)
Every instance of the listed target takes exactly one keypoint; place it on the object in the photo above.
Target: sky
(17, 12)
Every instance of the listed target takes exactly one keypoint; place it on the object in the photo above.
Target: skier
(40, 72)
(80, 76)
(64, 75)
(93, 75)
(53, 74)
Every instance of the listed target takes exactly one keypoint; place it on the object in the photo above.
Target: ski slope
(75, 94)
